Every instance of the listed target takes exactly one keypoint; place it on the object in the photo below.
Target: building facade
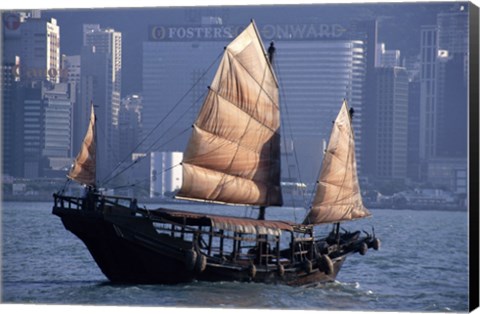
(37, 43)
(130, 125)
(318, 65)
(100, 84)
(392, 123)
(443, 93)
(31, 68)
(428, 92)
(387, 58)
(165, 173)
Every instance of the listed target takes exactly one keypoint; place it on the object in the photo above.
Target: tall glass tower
(101, 65)
(317, 65)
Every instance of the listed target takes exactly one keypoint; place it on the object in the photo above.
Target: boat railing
(96, 201)
(69, 202)
(240, 247)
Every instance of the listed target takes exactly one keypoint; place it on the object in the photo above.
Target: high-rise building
(428, 91)
(443, 92)
(318, 65)
(170, 69)
(413, 148)
(387, 58)
(130, 125)
(315, 77)
(57, 120)
(390, 155)
(40, 50)
(453, 30)
(452, 108)
(30, 102)
(101, 84)
(45, 114)
(36, 41)
(452, 81)
(10, 113)
(106, 41)
(165, 173)
(31, 57)
(70, 73)
(71, 69)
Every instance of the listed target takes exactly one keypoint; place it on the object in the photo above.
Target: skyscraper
(101, 66)
(387, 58)
(443, 94)
(10, 126)
(130, 125)
(31, 55)
(390, 156)
(452, 81)
(318, 65)
(57, 127)
(428, 91)
(40, 50)
(315, 76)
(413, 154)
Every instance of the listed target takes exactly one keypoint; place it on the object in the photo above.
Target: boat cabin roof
(236, 224)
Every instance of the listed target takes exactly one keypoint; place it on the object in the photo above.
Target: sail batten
(338, 197)
(84, 166)
(268, 126)
(233, 155)
(260, 84)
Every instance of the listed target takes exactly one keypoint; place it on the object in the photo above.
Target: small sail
(233, 155)
(338, 196)
(84, 167)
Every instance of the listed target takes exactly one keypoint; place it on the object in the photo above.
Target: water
(421, 266)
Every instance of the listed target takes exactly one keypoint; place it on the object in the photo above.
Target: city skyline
(374, 35)
(397, 24)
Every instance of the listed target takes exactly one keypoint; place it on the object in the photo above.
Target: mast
(271, 53)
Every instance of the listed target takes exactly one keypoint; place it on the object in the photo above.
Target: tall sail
(338, 195)
(84, 167)
(233, 155)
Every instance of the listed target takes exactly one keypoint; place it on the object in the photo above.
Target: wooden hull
(127, 249)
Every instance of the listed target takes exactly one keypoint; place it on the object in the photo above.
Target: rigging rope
(141, 158)
(150, 148)
(163, 119)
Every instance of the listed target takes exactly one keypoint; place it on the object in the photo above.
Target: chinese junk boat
(232, 157)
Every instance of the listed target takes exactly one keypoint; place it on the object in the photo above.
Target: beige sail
(338, 195)
(233, 155)
(84, 167)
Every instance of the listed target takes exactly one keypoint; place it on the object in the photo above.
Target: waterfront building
(30, 59)
(413, 147)
(318, 65)
(36, 41)
(387, 58)
(315, 77)
(130, 125)
(101, 84)
(390, 155)
(165, 173)
(428, 92)
(57, 119)
(443, 89)
(11, 128)
(44, 111)
(71, 67)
